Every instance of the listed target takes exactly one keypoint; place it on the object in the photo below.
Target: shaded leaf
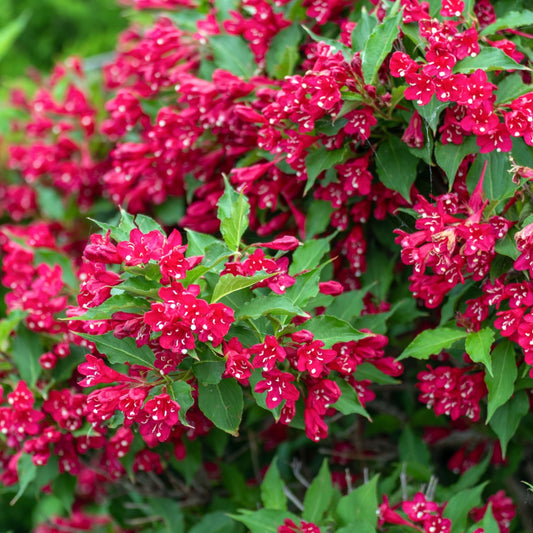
(272, 494)
(222, 403)
(232, 53)
(319, 495)
(478, 345)
(360, 505)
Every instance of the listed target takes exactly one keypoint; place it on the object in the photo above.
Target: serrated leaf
(431, 112)
(272, 488)
(305, 287)
(233, 213)
(432, 342)
(478, 345)
(181, 392)
(282, 54)
(321, 159)
(510, 88)
(396, 166)
(513, 19)
(363, 29)
(232, 53)
(121, 350)
(147, 224)
(349, 402)
(501, 384)
(272, 304)
(488, 59)
(505, 420)
(360, 505)
(449, 156)
(26, 349)
(229, 283)
(308, 255)
(330, 330)
(222, 404)
(378, 46)
(460, 504)
(114, 304)
(319, 495)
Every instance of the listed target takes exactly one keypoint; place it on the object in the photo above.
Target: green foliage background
(56, 29)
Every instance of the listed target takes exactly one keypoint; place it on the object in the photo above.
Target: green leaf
(121, 350)
(317, 224)
(319, 495)
(53, 258)
(148, 224)
(272, 488)
(432, 342)
(50, 203)
(27, 348)
(497, 182)
(271, 304)
(360, 505)
(232, 53)
(233, 213)
(478, 345)
(114, 304)
(488, 59)
(309, 255)
(489, 523)
(209, 369)
(321, 159)
(347, 305)
(513, 19)
(26, 473)
(412, 449)
(472, 475)
(460, 504)
(363, 29)
(8, 325)
(431, 112)
(501, 383)
(378, 46)
(229, 283)
(222, 404)
(305, 287)
(169, 511)
(171, 211)
(10, 32)
(510, 88)
(505, 420)
(396, 166)
(264, 520)
(369, 371)
(181, 392)
(197, 243)
(63, 488)
(216, 522)
(449, 156)
(507, 247)
(283, 54)
(331, 330)
(349, 402)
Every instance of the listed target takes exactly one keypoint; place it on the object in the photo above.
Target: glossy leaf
(229, 283)
(432, 342)
(488, 59)
(478, 345)
(222, 403)
(501, 384)
(121, 350)
(396, 166)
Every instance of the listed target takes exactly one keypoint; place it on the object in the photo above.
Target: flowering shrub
(269, 271)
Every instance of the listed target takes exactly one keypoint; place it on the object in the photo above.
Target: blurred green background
(38, 33)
